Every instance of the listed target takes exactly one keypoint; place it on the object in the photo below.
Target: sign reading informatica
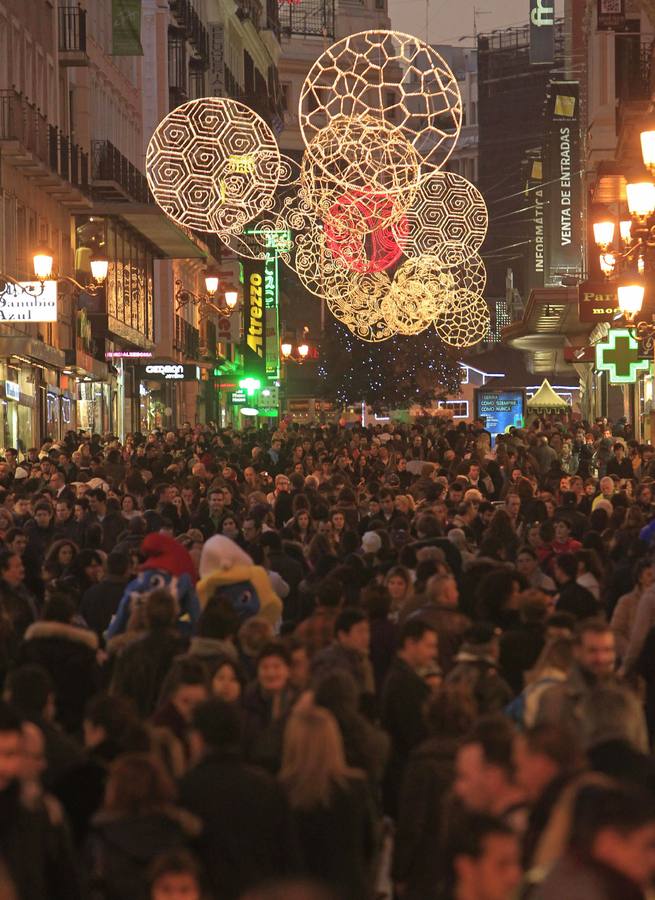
(563, 195)
(29, 301)
(542, 31)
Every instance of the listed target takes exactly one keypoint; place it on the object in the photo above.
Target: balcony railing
(112, 173)
(36, 143)
(193, 27)
(634, 69)
(72, 31)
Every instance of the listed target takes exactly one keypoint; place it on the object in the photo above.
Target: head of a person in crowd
(562, 529)
(610, 714)
(565, 568)
(644, 573)
(273, 668)
(227, 680)
(486, 512)
(252, 529)
(175, 875)
(527, 562)
(451, 711)
(534, 607)
(352, 630)
(418, 644)
(43, 514)
(11, 747)
(595, 648)
(138, 785)
(29, 690)
(21, 506)
(216, 502)
(560, 625)
(111, 720)
(299, 674)
(12, 570)
(542, 754)
(161, 610)
(313, 758)
(185, 686)
(614, 825)
(484, 767)
(607, 487)
(498, 595)
(97, 502)
(64, 510)
(398, 582)
(428, 526)
(442, 590)
(513, 505)
(483, 858)
(253, 635)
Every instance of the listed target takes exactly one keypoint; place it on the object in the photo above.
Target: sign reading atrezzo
(31, 301)
(254, 331)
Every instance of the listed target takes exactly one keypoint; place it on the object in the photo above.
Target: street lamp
(208, 301)
(43, 263)
(631, 298)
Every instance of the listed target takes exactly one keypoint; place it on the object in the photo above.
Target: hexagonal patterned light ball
(448, 219)
(213, 164)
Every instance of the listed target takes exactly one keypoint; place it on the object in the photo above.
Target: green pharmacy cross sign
(619, 355)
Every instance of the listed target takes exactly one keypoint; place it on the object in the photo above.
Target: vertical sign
(542, 31)
(611, 15)
(126, 28)
(216, 60)
(254, 331)
(563, 188)
(271, 306)
(535, 198)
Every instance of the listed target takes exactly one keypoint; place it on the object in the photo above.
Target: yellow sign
(564, 106)
(254, 337)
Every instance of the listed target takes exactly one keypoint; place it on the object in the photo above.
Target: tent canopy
(546, 398)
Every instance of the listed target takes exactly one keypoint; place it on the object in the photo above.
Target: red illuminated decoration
(376, 251)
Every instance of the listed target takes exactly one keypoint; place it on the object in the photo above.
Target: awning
(173, 241)
(32, 348)
(546, 398)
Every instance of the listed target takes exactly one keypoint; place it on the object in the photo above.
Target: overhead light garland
(375, 227)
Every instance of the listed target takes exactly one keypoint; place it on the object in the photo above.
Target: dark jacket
(577, 600)
(403, 697)
(428, 777)
(480, 675)
(248, 833)
(100, 602)
(120, 849)
(519, 649)
(140, 669)
(338, 841)
(262, 734)
(68, 653)
(585, 879)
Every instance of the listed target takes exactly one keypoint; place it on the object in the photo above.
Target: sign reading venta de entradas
(563, 185)
(29, 301)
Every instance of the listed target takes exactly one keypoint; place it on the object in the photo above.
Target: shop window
(460, 408)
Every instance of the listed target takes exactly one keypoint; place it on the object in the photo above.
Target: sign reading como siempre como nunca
(31, 301)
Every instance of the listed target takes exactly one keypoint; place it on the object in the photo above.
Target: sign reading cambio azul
(29, 301)
(168, 372)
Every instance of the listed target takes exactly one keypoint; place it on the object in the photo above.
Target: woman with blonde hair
(331, 803)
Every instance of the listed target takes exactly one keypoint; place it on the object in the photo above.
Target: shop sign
(12, 390)
(611, 15)
(238, 397)
(216, 60)
(542, 26)
(254, 345)
(563, 186)
(29, 301)
(499, 410)
(128, 354)
(168, 372)
(597, 302)
(619, 355)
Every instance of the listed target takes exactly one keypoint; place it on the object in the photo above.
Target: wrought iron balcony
(192, 25)
(114, 177)
(41, 150)
(72, 36)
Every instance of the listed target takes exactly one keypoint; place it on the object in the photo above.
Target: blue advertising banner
(499, 410)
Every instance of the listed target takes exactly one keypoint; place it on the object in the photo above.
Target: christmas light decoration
(213, 164)
(393, 77)
(377, 251)
(464, 321)
(448, 219)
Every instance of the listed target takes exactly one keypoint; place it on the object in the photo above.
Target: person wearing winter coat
(137, 822)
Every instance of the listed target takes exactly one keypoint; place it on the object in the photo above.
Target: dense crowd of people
(329, 663)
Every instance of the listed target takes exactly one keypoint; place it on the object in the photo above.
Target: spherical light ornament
(419, 290)
(376, 251)
(470, 275)
(318, 269)
(213, 164)
(464, 321)
(393, 77)
(360, 155)
(359, 308)
(448, 219)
